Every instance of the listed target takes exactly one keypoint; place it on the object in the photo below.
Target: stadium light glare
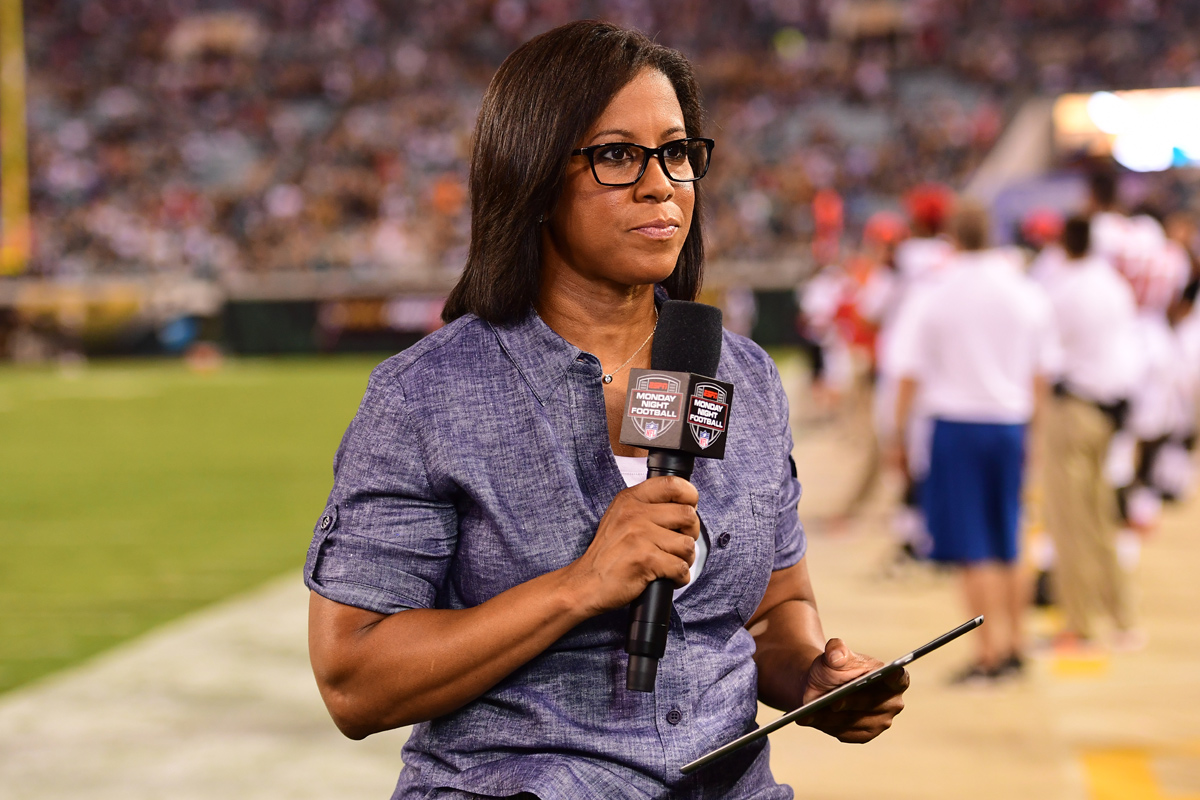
(1145, 130)
(1108, 112)
(1145, 149)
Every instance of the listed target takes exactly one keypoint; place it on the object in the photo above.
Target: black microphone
(678, 411)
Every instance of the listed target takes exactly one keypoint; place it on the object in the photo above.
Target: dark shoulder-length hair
(540, 103)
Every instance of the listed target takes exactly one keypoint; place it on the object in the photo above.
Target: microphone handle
(650, 614)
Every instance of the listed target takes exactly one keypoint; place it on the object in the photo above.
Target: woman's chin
(649, 272)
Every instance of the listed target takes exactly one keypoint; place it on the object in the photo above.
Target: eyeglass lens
(685, 160)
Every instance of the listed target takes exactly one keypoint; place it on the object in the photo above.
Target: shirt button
(674, 716)
(723, 540)
(326, 521)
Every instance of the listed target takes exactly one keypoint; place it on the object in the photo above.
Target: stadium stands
(181, 138)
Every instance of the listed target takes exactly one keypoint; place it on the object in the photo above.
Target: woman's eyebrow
(628, 135)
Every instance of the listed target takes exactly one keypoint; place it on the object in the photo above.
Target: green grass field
(134, 492)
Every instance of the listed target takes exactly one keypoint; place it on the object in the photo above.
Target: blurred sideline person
(1095, 316)
(979, 347)
(1158, 270)
(1109, 227)
(486, 530)
(875, 289)
(920, 262)
(1173, 473)
(1042, 230)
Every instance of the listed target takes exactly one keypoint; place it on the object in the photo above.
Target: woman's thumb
(837, 655)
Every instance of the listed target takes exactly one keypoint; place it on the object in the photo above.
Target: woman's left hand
(862, 715)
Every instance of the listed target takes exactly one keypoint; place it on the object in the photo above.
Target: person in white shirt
(980, 343)
(1096, 317)
(1173, 473)
(1157, 270)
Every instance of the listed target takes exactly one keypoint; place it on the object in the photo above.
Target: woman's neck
(606, 320)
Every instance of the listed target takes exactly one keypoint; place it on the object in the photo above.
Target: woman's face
(625, 235)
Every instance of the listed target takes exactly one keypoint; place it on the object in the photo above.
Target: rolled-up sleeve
(790, 541)
(384, 539)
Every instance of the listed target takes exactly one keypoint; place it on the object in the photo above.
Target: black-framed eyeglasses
(624, 163)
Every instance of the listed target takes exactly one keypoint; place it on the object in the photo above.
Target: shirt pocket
(750, 541)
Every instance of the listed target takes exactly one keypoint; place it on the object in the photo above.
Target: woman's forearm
(788, 640)
(378, 672)
(788, 636)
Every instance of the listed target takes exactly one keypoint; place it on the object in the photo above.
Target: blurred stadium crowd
(201, 137)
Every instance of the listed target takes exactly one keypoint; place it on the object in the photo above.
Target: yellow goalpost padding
(15, 233)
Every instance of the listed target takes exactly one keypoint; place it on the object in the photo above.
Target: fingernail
(837, 657)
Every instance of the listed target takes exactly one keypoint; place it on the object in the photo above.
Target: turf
(134, 492)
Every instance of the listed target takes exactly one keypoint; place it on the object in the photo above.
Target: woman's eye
(615, 153)
(675, 152)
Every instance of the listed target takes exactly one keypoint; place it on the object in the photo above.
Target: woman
(471, 571)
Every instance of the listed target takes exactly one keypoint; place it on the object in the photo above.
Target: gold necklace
(608, 376)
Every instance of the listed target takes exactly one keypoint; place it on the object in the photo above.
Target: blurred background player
(1095, 315)
(822, 301)
(1157, 270)
(1041, 233)
(875, 283)
(978, 348)
(919, 261)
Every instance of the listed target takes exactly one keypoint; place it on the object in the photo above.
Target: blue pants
(972, 495)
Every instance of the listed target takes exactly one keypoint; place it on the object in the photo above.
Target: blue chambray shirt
(480, 459)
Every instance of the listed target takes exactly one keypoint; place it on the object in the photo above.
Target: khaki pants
(1081, 515)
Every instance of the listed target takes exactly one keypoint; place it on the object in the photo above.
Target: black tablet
(830, 697)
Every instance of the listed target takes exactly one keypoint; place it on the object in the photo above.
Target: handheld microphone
(677, 410)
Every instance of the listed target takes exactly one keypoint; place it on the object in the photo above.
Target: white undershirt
(633, 470)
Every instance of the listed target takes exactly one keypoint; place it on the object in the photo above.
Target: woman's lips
(657, 231)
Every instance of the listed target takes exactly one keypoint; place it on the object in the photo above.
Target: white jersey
(1047, 265)
(820, 299)
(919, 263)
(1109, 232)
(1187, 335)
(1096, 319)
(1157, 268)
(877, 298)
(917, 258)
(978, 339)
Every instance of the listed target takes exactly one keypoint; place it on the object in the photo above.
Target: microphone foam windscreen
(688, 338)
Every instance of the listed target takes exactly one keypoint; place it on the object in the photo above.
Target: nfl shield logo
(707, 413)
(650, 428)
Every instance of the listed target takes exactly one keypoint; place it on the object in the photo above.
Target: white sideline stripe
(219, 704)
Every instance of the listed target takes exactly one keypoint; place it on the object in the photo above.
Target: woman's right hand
(649, 531)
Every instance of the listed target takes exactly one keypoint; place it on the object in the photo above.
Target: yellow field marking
(1081, 665)
(1126, 774)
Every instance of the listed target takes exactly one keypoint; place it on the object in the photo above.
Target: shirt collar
(542, 356)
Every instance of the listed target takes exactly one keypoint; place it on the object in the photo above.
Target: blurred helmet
(929, 205)
(1042, 226)
(885, 227)
(827, 211)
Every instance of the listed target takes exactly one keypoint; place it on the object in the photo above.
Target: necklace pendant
(608, 378)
